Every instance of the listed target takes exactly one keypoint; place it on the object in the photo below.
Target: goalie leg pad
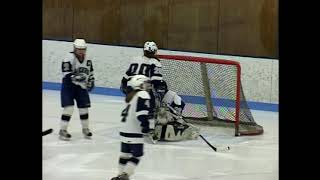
(192, 132)
(168, 133)
(176, 132)
(158, 131)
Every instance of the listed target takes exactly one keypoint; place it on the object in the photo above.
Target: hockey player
(169, 123)
(77, 80)
(171, 98)
(135, 124)
(149, 65)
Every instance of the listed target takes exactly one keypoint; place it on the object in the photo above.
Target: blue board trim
(195, 99)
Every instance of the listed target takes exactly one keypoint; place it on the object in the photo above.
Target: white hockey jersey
(135, 118)
(143, 65)
(71, 64)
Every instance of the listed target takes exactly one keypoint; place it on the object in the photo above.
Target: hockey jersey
(143, 65)
(71, 65)
(135, 118)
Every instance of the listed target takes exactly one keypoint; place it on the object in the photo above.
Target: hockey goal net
(212, 91)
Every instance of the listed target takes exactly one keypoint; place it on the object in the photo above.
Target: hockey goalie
(170, 125)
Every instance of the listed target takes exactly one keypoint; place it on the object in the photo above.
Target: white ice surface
(250, 158)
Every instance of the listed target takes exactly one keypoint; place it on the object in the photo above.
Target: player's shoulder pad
(143, 94)
(156, 62)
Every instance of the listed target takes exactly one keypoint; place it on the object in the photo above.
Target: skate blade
(64, 138)
(87, 137)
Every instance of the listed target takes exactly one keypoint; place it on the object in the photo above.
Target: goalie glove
(162, 115)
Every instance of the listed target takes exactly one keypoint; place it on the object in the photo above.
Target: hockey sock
(123, 160)
(65, 117)
(131, 165)
(84, 117)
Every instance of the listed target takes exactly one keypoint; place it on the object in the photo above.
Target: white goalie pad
(175, 131)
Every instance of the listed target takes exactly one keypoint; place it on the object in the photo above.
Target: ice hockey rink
(250, 157)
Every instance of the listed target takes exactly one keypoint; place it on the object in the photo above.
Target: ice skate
(86, 133)
(64, 135)
(122, 176)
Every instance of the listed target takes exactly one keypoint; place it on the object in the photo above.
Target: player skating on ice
(134, 125)
(77, 81)
(149, 65)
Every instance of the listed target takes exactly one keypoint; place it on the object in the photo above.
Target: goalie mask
(138, 82)
(161, 88)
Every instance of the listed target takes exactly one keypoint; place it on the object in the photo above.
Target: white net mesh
(205, 82)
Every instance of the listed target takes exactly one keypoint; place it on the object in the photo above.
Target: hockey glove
(124, 89)
(90, 86)
(79, 79)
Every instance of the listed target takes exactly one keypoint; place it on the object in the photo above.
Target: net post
(206, 89)
(237, 118)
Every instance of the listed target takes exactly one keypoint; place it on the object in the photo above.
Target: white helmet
(80, 44)
(139, 82)
(150, 46)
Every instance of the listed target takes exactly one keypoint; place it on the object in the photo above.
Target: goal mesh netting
(212, 91)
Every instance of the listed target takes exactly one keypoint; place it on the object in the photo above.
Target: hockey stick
(219, 149)
(152, 138)
(46, 132)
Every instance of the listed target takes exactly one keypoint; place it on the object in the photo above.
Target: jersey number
(134, 69)
(66, 67)
(124, 114)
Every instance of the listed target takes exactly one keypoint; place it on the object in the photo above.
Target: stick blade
(222, 149)
(46, 132)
